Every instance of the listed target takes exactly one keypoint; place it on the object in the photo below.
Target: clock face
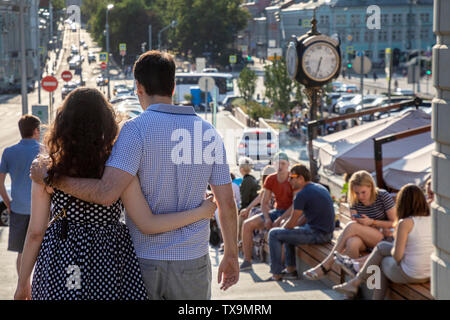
(292, 60)
(320, 61)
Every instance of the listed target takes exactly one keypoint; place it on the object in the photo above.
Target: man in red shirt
(277, 185)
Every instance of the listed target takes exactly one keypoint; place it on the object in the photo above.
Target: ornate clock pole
(313, 59)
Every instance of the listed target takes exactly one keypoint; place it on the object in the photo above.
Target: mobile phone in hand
(356, 216)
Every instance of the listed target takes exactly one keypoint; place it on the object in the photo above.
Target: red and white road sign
(103, 65)
(49, 83)
(66, 76)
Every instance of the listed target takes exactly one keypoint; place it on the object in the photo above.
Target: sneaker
(289, 275)
(246, 265)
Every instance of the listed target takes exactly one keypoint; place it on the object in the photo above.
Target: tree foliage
(247, 83)
(278, 85)
(203, 26)
(256, 110)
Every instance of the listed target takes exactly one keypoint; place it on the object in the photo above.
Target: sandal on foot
(346, 263)
(312, 275)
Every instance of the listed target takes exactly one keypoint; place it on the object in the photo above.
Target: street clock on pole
(313, 59)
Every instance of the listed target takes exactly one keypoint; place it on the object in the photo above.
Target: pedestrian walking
(85, 252)
(175, 154)
(16, 161)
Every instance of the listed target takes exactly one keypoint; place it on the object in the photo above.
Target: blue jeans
(274, 214)
(291, 238)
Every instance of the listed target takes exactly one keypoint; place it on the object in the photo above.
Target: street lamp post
(109, 7)
(23, 59)
(171, 25)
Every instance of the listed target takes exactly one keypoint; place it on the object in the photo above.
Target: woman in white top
(407, 260)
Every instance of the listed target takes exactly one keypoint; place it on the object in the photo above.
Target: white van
(259, 144)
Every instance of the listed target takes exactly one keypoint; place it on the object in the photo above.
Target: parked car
(119, 86)
(337, 85)
(404, 92)
(123, 92)
(352, 105)
(75, 62)
(334, 96)
(101, 81)
(120, 99)
(227, 102)
(92, 57)
(259, 144)
(68, 88)
(344, 98)
(349, 88)
(129, 109)
(210, 70)
(386, 102)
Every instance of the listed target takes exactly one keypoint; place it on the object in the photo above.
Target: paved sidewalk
(251, 285)
(8, 273)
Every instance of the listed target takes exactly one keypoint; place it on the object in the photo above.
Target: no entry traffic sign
(103, 65)
(66, 76)
(49, 83)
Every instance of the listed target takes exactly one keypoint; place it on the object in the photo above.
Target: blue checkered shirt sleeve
(126, 154)
(220, 174)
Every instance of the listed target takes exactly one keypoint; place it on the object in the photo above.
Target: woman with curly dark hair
(85, 252)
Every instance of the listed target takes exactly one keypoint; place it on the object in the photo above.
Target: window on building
(411, 34)
(341, 19)
(382, 35)
(324, 20)
(368, 35)
(397, 18)
(411, 17)
(355, 35)
(425, 17)
(381, 54)
(396, 35)
(424, 34)
(355, 19)
(384, 18)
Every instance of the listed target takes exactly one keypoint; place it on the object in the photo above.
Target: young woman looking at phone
(407, 260)
(377, 214)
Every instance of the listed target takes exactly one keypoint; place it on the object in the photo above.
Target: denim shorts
(274, 214)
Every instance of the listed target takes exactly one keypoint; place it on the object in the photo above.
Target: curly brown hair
(81, 137)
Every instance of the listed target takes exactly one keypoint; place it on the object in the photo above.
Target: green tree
(247, 83)
(256, 110)
(204, 26)
(278, 86)
(128, 23)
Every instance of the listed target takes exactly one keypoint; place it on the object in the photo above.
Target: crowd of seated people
(396, 236)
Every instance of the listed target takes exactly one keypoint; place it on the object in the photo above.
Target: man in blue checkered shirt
(176, 155)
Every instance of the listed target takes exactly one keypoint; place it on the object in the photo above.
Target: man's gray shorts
(177, 280)
(18, 227)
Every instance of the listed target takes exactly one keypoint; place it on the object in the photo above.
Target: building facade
(10, 50)
(440, 277)
(405, 25)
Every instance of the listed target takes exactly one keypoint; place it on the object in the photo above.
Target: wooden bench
(312, 255)
(396, 291)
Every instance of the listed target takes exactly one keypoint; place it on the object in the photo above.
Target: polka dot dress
(96, 261)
